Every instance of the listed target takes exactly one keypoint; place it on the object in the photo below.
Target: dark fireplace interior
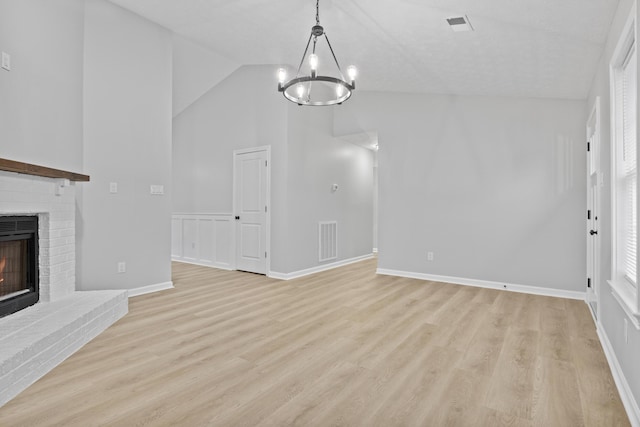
(18, 263)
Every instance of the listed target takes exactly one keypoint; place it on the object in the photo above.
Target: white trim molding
(142, 290)
(534, 290)
(317, 269)
(625, 293)
(630, 404)
(625, 296)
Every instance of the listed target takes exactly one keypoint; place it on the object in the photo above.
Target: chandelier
(312, 88)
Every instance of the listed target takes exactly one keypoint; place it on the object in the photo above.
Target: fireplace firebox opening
(19, 286)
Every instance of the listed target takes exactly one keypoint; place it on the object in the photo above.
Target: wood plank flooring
(341, 348)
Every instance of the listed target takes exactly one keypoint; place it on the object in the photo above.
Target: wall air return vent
(327, 240)
(460, 23)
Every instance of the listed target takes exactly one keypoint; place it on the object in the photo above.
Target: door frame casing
(593, 128)
(267, 218)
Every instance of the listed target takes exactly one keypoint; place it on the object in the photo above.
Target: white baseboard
(202, 264)
(149, 289)
(318, 269)
(535, 290)
(630, 404)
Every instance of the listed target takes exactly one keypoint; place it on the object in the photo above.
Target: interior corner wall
(317, 161)
(41, 97)
(127, 140)
(612, 315)
(494, 187)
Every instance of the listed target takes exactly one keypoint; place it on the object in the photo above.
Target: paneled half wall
(203, 239)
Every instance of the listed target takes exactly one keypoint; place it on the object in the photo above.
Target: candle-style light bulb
(352, 71)
(282, 75)
(339, 91)
(300, 90)
(313, 61)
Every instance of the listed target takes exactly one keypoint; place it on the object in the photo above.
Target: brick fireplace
(37, 338)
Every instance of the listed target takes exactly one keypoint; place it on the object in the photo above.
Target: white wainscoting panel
(224, 242)
(190, 239)
(203, 239)
(176, 237)
(205, 246)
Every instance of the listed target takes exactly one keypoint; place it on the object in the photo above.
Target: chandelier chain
(317, 12)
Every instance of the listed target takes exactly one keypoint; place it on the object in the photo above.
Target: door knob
(592, 232)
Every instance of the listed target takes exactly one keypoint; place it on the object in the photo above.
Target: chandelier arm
(304, 55)
(334, 56)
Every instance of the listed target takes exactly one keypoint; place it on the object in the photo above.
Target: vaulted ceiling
(532, 48)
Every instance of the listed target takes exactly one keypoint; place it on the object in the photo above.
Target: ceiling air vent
(460, 23)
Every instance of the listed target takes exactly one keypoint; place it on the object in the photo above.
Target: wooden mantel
(29, 169)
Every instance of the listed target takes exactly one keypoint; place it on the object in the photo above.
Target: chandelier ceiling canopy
(309, 87)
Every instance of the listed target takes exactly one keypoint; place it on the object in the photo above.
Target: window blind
(629, 174)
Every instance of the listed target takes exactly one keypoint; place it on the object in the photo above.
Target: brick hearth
(36, 339)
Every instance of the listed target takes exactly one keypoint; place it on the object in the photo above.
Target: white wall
(127, 140)
(316, 161)
(41, 97)
(245, 110)
(611, 314)
(493, 186)
(195, 71)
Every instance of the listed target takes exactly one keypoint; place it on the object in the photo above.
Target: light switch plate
(113, 187)
(6, 61)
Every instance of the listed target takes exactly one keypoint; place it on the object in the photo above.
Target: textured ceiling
(537, 48)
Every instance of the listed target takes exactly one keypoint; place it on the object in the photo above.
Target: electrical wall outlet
(122, 267)
(113, 187)
(429, 256)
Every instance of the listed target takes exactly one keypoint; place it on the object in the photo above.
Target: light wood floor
(344, 347)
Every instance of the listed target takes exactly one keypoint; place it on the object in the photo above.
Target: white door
(593, 207)
(251, 184)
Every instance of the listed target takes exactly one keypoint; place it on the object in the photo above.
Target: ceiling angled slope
(531, 48)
